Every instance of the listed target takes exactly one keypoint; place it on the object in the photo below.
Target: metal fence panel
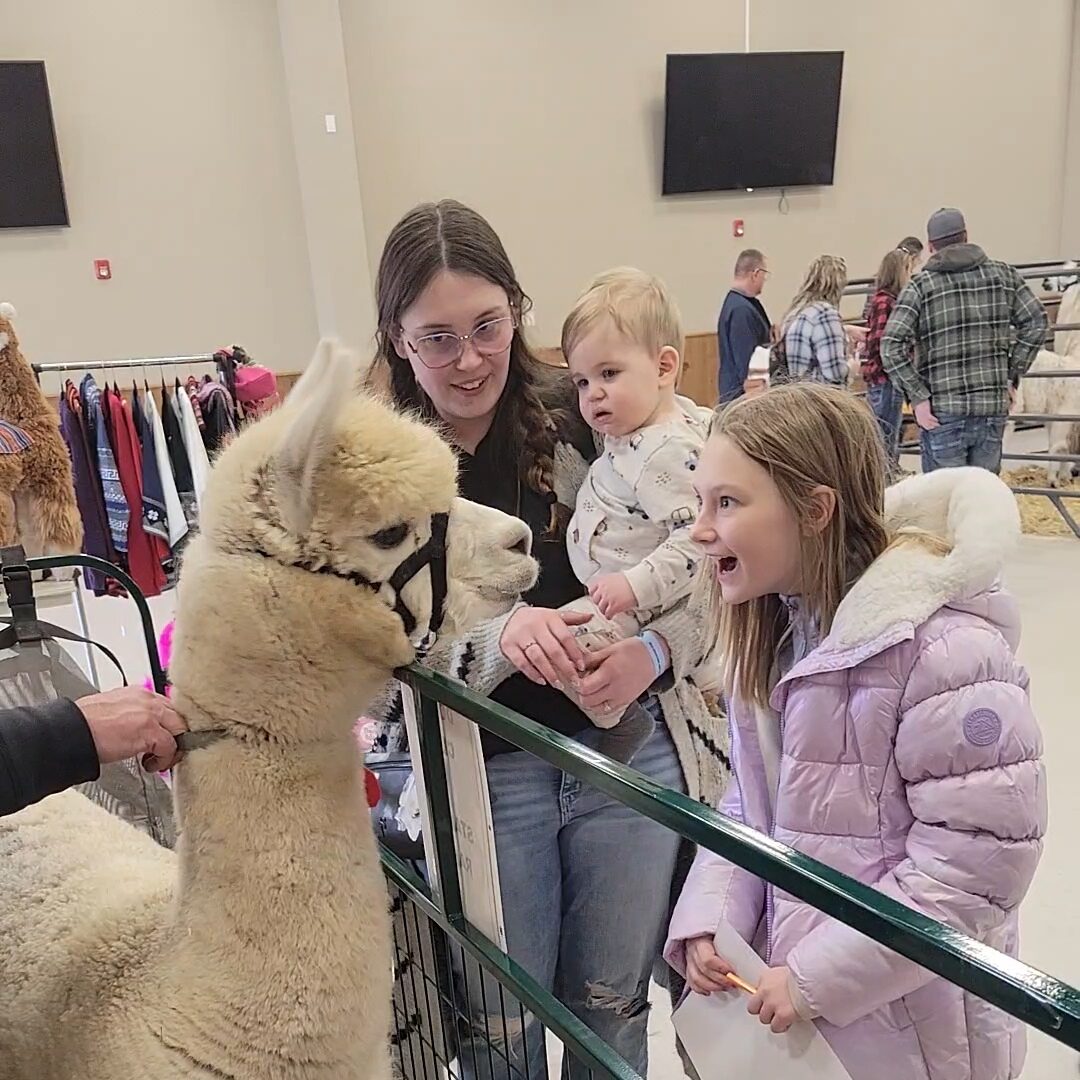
(438, 1027)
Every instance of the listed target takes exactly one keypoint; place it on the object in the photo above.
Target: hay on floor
(1038, 515)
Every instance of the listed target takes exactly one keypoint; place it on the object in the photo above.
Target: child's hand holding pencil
(709, 973)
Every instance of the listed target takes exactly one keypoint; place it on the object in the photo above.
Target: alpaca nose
(520, 539)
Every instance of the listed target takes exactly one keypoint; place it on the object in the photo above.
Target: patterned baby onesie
(635, 508)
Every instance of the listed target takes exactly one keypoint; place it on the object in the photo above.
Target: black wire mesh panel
(453, 1023)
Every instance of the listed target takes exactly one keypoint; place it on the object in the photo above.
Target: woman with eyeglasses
(586, 883)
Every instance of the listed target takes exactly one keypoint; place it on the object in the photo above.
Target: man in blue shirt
(743, 324)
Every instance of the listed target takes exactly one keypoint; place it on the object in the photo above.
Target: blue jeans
(586, 892)
(964, 440)
(887, 403)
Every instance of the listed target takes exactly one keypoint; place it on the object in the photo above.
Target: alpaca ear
(313, 409)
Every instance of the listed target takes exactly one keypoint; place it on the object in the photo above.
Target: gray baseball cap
(943, 223)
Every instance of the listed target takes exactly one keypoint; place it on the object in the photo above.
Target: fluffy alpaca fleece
(1055, 397)
(260, 950)
(37, 496)
(1067, 342)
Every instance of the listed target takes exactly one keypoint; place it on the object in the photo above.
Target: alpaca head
(341, 486)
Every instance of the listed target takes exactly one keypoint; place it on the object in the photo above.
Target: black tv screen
(750, 120)
(31, 187)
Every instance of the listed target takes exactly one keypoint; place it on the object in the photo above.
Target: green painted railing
(1043, 1002)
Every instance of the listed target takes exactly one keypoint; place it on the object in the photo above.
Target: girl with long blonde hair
(812, 331)
(878, 719)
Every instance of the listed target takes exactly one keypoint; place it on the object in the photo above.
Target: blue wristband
(656, 651)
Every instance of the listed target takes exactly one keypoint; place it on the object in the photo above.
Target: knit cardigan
(700, 733)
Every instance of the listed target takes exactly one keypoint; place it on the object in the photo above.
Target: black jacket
(43, 749)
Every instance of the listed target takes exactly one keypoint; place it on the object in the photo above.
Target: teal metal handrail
(1038, 999)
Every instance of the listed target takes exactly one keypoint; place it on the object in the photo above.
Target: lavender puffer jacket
(910, 760)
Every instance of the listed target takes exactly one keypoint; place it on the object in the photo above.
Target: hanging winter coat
(178, 456)
(178, 525)
(145, 552)
(219, 415)
(155, 518)
(116, 506)
(193, 443)
(97, 539)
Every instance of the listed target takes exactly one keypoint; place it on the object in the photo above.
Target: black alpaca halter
(431, 554)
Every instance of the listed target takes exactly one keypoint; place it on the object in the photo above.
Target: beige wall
(317, 84)
(1070, 214)
(178, 160)
(548, 119)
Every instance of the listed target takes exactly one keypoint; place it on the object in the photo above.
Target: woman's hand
(618, 675)
(539, 644)
(772, 1002)
(705, 970)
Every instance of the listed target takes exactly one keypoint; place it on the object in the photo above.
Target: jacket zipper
(770, 900)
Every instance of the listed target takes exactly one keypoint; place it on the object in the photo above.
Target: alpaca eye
(390, 537)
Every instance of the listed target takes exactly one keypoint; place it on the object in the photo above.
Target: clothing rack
(109, 365)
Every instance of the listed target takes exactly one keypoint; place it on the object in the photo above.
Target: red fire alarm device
(102, 269)
(737, 227)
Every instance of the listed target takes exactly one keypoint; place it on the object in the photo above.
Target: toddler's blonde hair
(638, 305)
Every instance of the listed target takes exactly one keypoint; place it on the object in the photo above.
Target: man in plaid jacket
(976, 327)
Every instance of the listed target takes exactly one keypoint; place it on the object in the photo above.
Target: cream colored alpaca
(1054, 397)
(260, 950)
(1067, 342)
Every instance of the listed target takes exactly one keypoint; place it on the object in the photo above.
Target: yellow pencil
(742, 984)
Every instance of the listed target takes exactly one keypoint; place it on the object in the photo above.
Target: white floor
(1045, 575)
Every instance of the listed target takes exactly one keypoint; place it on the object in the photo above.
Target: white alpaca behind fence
(1057, 396)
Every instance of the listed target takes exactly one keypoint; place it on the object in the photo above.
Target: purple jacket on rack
(96, 537)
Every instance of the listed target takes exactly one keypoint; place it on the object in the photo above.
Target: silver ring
(528, 645)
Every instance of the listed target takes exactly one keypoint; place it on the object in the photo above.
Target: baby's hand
(612, 594)
(705, 970)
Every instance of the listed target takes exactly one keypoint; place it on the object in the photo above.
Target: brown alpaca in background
(37, 496)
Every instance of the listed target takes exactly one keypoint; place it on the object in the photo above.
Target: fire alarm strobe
(102, 269)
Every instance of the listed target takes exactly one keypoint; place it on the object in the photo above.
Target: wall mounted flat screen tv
(31, 187)
(750, 120)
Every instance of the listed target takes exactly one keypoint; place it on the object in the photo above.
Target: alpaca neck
(277, 864)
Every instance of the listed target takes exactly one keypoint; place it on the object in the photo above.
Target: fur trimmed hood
(975, 513)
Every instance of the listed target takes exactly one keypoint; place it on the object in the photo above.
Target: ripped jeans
(586, 890)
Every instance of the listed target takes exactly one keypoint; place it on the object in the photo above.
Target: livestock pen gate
(438, 951)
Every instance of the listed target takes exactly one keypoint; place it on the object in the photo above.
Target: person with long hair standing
(881, 724)
(580, 916)
(813, 333)
(885, 399)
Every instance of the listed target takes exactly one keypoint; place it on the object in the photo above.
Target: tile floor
(1045, 575)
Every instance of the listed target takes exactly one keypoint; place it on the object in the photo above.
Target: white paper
(474, 833)
(724, 1040)
(470, 805)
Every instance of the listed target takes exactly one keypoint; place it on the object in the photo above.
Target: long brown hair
(805, 435)
(449, 236)
(894, 272)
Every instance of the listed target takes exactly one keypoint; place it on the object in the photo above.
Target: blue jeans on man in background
(964, 440)
(586, 886)
(887, 403)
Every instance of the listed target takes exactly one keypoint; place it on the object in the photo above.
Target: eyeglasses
(442, 349)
